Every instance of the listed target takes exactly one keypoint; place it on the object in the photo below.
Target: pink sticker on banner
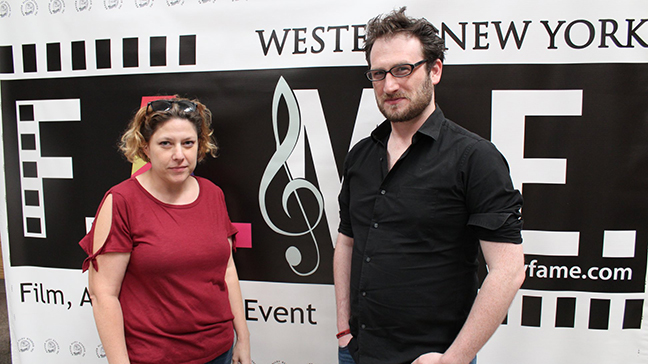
(142, 169)
(147, 99)
(244, 236)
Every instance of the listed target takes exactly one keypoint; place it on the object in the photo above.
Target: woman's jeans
(225, 358)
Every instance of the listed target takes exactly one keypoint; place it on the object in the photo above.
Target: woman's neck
(170, 193)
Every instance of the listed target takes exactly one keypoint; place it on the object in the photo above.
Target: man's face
(409, 98)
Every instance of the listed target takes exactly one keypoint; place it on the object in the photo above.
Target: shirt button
(367, 259)
(375, 225)
(364, 294)
(363, 326)
(382, 192)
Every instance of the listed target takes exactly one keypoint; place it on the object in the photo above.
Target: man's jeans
(344, 357)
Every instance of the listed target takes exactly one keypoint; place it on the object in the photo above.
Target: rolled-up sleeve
(494, 204)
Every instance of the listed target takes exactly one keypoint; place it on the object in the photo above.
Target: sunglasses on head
(166, 105)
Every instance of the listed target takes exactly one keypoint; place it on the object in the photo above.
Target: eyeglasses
(399, 70)
(166, 105)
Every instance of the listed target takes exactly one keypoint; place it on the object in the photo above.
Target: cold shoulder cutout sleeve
(119, 238)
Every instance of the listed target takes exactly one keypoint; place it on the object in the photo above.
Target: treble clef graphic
(279, 161)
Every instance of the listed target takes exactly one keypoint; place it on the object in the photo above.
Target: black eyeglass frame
(412, 67)
(165, 105)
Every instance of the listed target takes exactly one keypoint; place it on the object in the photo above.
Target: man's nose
(391, 83)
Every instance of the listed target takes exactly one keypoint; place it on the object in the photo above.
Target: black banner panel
(604, 148)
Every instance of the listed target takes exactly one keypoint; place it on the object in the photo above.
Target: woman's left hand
(241, 353)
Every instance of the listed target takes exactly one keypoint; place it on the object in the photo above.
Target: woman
(162, 280)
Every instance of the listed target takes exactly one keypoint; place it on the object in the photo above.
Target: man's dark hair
(396, 22)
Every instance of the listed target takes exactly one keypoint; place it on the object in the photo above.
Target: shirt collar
(431, 128)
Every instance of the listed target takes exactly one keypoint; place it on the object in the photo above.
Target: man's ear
(435, 71)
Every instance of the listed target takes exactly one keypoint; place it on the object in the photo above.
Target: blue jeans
(225, 358)
(344, 357)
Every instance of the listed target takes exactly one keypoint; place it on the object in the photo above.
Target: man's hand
(429, 358)
(344, 340)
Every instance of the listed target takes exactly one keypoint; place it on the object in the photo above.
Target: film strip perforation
(99, 54)
(540, 309)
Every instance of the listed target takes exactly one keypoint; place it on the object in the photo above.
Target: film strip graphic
(100, 54)
(33, 166)
(577, 309)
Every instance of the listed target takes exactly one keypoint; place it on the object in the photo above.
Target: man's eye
(401, 69)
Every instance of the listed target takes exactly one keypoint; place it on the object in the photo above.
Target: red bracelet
(343, 333)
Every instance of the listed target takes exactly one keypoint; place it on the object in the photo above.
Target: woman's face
(173, 150)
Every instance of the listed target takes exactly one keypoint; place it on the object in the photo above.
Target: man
(420, 197)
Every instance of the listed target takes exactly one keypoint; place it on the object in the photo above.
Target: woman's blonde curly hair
(145, 123)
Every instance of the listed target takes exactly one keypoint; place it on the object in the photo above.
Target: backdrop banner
(558, 86)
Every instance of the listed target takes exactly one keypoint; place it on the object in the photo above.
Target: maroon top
(174, 297)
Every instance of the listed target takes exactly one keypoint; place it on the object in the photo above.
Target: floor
(5, 347)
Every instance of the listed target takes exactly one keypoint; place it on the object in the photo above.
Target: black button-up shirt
(416, 231)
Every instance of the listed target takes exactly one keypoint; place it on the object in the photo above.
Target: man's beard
(419, 101)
